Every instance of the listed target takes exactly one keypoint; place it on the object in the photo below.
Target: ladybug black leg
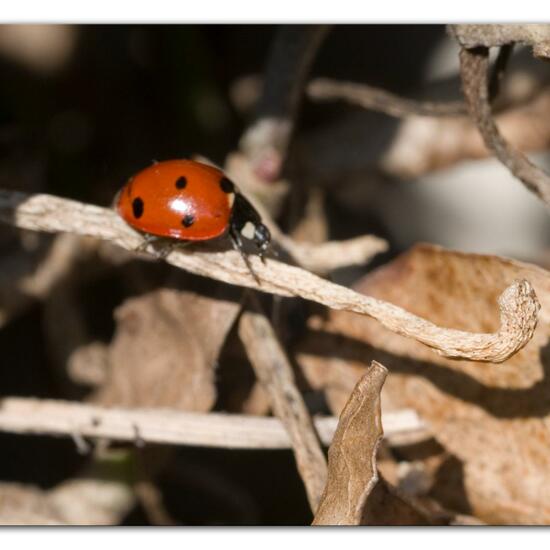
(147, 240)
(161, 251)
(238, 245)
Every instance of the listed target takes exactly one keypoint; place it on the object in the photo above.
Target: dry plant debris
(473, 36)
(352, 455)
(491, 420)
(418, 147)
(518, 303)
(26, 505)
(354, 493)
(319, 257)
(266, 141)
(421, 145)
(276, 375)
(26, 415)
(100, 495)
(474, 66)
(21, 283)
(165, 350)
(378, 99)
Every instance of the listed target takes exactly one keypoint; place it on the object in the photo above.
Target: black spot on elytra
(137, 207)
(188, 220)
(181, 182)
(227, 185)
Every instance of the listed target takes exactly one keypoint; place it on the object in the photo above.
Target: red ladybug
(190, 201)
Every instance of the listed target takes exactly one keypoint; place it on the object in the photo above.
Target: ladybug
(185, 200)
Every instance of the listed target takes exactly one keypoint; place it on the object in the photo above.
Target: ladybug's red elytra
(187, 200)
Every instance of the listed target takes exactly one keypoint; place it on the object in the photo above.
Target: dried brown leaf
(352, 470)
(165, 350)
(385, 506)
(492, 419)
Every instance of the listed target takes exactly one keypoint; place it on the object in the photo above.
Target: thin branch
(266, 141)
(324, 257)
(235, 431)
(378, 99)
(277, 378)
(518, 303)
(474, 66)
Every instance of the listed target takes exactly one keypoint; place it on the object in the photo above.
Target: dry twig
(266, 141)
(167, 426)
(381, 100)
(473, 36)
(325, 257)
(474, 67)
(518, 303)
(277, 377)
(378, 99)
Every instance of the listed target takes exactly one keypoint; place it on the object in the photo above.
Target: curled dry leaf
(518, 303)
(165, 350)
(491, 419)
(352, 470)
(354, 494)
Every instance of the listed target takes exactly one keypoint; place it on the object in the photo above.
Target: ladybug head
(246, 221)
(262, 237)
